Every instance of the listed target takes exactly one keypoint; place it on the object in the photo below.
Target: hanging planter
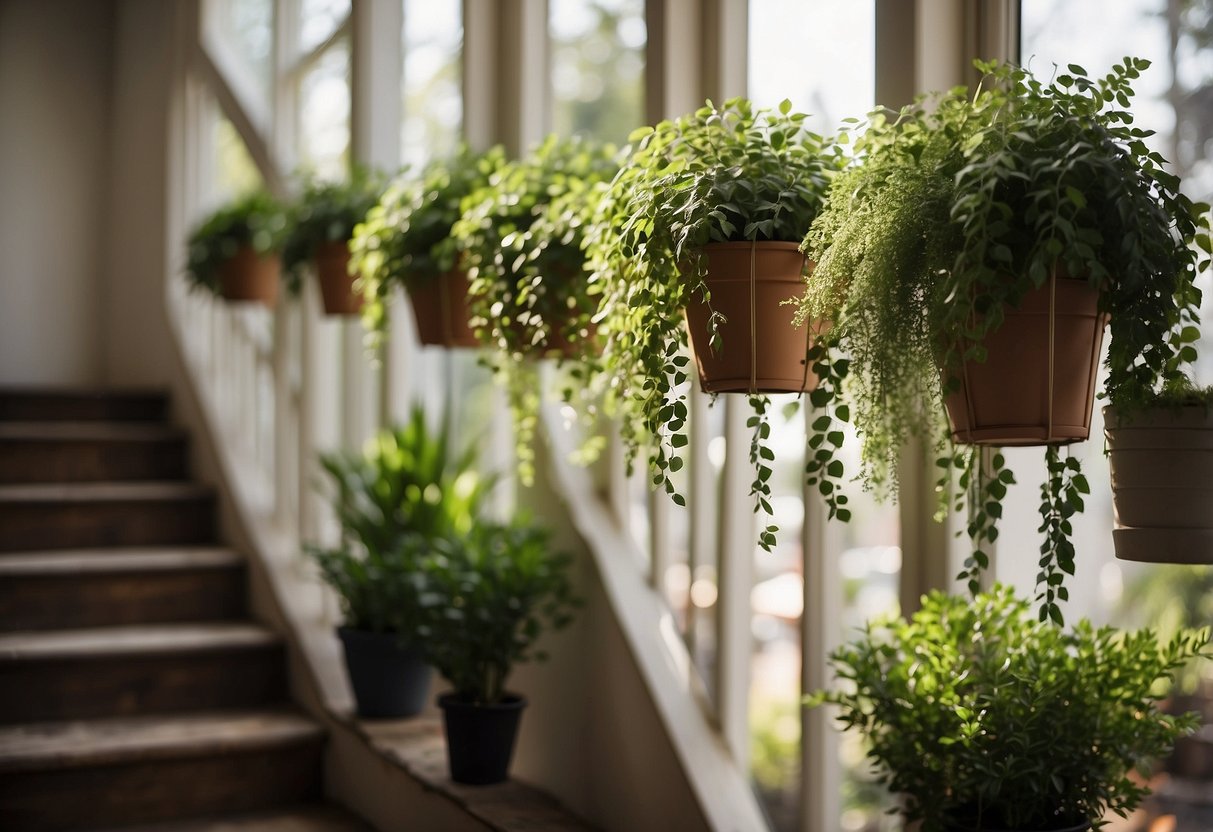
(440, 308)
(1037, 383)
(234, 252)
(336, 283)
(1162, 483)
(249, 276)
(750, 285)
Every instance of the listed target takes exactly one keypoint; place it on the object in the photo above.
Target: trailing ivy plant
(721, 174)
(953, 210)
(962, 704)
(406, 239)
(521, 238)
(327, 212)
(255, 219)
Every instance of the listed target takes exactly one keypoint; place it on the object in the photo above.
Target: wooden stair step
(115, 772)
(319, 818)
(60, 404)
(75, 515)
(90, 451)
(74, 588)
(115, 671)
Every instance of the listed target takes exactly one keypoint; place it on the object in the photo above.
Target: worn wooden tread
(144, 640)
(295, 819)
(44, 746)
(118, 560)
(96, 492)
(90, 431)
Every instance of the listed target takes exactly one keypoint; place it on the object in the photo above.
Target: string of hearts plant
(952, 212)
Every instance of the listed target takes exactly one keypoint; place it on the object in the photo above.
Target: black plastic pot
(955, 826)
(480, 738)
(389, 681)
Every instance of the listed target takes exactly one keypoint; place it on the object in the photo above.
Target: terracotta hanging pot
(336, 282)
(249, 276)
(440, 307)
(1162, 483)
(1037, 384)
(761, 351)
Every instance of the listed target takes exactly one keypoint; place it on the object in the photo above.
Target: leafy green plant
(406, 238)
(953, 210)
(728, 173)
(255, 219)
(492, 593)
(406, 483)
(327, 212)
(521, 239)
(981, 715)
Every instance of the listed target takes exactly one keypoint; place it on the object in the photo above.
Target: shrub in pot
(234, 252)
(988, 720)
(703, 222)
(405, 484)
(971, 256)
(406, 241)
(319, 226)
(492, 593)
(521, 239)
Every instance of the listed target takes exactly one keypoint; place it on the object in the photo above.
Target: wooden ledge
(417, 746)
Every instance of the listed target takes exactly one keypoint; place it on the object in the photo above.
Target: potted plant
(233, 253)
(492, 594)
(405, 483)
(319, 228)
(987, 720)
(971, 256)
(1161, 459)
(703, 223)
(521, 239)
(406, 240)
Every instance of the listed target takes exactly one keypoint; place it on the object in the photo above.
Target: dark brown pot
(761, 351)
(249, 276)
(1162, 483)
(440, 307)
(1037, 384)
(336, 282)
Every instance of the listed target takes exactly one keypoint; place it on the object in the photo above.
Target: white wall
(55, 58)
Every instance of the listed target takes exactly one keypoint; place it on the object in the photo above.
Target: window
(432, 110)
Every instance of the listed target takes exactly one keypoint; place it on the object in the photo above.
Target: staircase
(134, 692)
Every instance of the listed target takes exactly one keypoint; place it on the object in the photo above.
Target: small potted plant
(521, 239)
(491, 595)
(233, 253)
(1161, 458)
(406, 483)
(703, 223)
(987, 720)
(972, 256)
(406, 241)
(319, 227)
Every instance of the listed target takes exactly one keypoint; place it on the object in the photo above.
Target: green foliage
(728, 173)
(255, 219)
(979, 713)
(953, 210)
(521, 238)
(327, 212)
(405, 483)
(406, 238)
(491, 594)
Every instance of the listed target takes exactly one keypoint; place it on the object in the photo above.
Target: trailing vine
(1060, 499)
